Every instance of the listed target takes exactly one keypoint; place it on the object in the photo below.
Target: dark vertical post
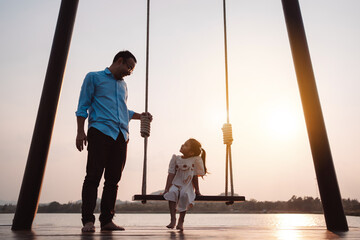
(31, 185)
(320, 148)
(143, 187)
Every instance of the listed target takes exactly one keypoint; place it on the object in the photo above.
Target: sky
(271, 152)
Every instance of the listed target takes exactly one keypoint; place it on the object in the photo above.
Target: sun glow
(281, 122)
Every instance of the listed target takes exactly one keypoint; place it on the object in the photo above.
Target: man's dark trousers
(104, 154)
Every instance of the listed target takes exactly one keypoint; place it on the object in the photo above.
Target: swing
(227, 136)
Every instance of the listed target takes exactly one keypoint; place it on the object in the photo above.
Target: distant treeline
(293, 205)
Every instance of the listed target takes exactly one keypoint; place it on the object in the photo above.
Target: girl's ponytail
(203, 157)
(198, 151)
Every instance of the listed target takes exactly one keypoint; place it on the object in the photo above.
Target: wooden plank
(205, 198)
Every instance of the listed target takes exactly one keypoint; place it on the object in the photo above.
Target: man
(103, 100)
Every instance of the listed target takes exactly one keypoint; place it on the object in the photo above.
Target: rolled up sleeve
(131, 114)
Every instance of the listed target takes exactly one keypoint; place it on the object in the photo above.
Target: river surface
(280, 221)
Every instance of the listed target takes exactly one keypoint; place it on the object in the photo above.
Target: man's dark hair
(125, 55)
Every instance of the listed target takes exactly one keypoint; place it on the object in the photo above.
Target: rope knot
(144, 126)
(227, 134)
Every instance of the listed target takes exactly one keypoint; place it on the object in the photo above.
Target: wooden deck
(43, 232)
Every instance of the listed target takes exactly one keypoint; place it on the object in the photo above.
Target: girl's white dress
(182, 190)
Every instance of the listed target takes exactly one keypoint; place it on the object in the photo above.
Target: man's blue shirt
(105, 99)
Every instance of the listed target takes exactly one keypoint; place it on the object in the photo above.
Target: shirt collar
(108, 72)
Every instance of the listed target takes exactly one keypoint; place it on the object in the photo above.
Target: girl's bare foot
(88, 227)
(172, 224)
(180, 226)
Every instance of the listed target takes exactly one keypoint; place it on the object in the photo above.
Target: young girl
(183, 179)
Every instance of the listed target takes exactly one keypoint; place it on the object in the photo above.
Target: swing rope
(227, 129)
(145, 123)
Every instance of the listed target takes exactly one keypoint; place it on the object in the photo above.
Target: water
(278, 221)
(197, 226)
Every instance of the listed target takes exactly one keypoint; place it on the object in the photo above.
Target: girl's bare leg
(172, 208)
(180, 224)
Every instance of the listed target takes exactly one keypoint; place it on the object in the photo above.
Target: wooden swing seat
(202, 198)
